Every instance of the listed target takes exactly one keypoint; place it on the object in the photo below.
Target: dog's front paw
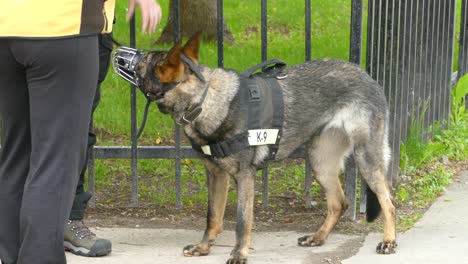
(195, 251)
(237, 260)
(386, 247)
(310, 241)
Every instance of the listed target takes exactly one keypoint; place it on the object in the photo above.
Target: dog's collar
(190, 116)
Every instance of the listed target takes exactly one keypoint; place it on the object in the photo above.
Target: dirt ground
(285, 213)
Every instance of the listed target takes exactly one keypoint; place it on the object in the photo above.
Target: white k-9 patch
(259, 137)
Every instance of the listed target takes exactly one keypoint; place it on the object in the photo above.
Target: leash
(148, 98)
(143, 122)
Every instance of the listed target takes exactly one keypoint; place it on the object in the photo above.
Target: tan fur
(191, 48)
(218, 184)
(327, 157)
(383, 194)
(172, 69)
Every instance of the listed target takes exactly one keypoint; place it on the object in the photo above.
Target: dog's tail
(373, 206)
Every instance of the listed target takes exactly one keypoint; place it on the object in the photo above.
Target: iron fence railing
(410, 53)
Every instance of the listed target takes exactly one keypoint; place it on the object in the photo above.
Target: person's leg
(82, 197)
(15, 151)
(78, 238)
(61, 75)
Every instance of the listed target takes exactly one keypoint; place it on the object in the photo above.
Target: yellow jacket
(55, 18)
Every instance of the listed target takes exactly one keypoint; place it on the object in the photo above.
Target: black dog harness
(262, 104)
(260, 95)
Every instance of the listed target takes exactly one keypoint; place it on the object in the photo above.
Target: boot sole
(81, 251)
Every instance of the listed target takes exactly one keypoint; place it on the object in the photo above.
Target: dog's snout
(125, 61)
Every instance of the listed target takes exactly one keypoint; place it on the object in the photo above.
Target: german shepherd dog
(332, 108)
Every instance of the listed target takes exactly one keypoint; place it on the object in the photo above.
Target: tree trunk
(195, 15)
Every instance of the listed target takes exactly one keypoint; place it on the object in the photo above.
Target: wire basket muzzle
(124, 61)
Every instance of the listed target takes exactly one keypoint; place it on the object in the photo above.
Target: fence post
(264, 22)
(134, 148)
(308, 182)
(356, 32)
(308, 30)
(91, 178)
(351, 174)
(463, 48)
(178, 163)
(308, 57)
(220, 32)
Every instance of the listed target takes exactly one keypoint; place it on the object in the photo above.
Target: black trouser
(46, 92)
(82, 197)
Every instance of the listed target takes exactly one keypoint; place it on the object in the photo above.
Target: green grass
(425, 177)
(453, 142)
(286, 41)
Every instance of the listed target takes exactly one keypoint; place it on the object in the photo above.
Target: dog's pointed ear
(172, 69)
(192, 47)
(173, 57)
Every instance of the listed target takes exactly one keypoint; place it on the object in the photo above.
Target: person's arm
(150, 13)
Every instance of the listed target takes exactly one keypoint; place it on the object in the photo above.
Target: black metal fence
(410, 46)
(410, 51)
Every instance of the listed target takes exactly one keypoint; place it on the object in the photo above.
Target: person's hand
(150, 13)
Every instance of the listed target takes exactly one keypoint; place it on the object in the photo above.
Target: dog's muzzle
(125, 60)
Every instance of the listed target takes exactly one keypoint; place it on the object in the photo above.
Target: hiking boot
(79, 240)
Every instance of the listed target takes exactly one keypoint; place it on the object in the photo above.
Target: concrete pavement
(440, 237)
(164, 246)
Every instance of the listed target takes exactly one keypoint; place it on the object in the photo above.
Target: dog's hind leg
(371, 164)
(327, 154)
(218, 184)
